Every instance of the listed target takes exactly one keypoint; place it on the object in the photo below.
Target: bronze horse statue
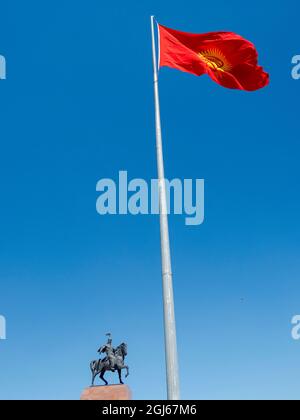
(99, 367)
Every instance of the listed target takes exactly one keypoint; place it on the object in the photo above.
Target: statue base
(106, 392)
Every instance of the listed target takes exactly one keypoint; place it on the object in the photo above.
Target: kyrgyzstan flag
(226, 57)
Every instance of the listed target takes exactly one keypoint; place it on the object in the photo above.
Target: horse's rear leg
(120, 376)
(93, 378)
(102, 377)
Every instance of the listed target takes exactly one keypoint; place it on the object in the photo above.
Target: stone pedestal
(106, 392)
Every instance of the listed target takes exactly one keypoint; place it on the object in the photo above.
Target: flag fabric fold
(229, 59)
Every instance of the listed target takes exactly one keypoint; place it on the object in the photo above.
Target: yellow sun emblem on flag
(215, 59)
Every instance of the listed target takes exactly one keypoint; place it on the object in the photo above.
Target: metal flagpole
(168, 299)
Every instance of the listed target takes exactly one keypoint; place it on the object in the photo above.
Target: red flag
(229, 59)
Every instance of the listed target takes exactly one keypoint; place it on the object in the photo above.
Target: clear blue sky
(78, 106)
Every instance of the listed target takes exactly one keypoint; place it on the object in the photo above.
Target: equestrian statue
(113, 361)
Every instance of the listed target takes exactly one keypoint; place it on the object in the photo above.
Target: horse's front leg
(127, 370)
(125, 367)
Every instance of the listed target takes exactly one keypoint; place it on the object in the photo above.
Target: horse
(99, 367)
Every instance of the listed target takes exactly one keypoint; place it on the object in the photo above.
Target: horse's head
(122, 349)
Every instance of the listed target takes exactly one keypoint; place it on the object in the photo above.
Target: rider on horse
(110, 352)
(114, 361)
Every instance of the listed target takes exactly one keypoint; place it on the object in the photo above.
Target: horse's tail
(93, 365)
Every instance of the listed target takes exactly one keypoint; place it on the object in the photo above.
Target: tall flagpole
(168, 299)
